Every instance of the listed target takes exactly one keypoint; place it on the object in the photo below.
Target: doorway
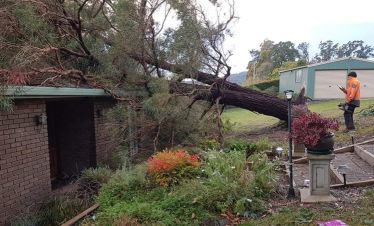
(71, 135)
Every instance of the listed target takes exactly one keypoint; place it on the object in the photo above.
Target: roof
(21, 92)
(330, 61)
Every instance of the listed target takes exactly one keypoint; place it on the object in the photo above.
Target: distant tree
(347, 49)
(283, 52)
(266, 48)
(255, 55)
(261, 64)
(356, 48)
(328, 50)
(304, 51)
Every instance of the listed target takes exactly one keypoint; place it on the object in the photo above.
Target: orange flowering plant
(167, 168)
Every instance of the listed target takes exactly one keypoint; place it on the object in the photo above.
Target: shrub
(209, 144)
(60, 209)
(92, 179)
(369, 111)
(309, 128)
(169, 167)
(224, 186)
(54, 212)
(124, 184)
(247, 147)
(264, 175)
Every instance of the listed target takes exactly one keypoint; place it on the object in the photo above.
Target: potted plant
(315, 132)
(297, 111)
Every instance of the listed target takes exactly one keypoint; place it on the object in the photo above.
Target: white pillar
(320, 180)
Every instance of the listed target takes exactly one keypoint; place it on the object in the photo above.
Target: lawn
(247, 120)
(357, 214)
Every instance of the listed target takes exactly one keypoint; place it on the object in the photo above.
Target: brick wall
(25, 179)
(24, 159)
(105, 141)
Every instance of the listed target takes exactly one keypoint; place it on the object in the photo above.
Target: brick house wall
(25, 172)
(24, 159)
(106, 143)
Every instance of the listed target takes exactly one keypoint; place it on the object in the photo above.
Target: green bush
(265, 175)
(247, 147)
(225, 185)
(92, 179)
(123, 184)
(209, 144)
(270, 85)
(369, 111)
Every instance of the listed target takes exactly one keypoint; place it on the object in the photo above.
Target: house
(321, 80)
(52, 134)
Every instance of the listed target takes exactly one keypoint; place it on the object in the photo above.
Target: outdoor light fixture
(289, 94)
(279, 151)
(291, 190)
(41, 119)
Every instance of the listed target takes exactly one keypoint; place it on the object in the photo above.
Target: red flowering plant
(310, 128)
(167, 168)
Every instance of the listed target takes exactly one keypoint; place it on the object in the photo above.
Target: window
(298, 76)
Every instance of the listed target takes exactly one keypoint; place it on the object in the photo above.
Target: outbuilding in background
(321, 80)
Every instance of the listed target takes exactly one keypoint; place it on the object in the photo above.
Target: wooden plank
(336, 174)
(349, 148)
(301, 160)
(354, 184)
(371, 141)
(364, 155)
(81, 215)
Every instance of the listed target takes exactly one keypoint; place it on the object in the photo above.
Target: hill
(238, 78)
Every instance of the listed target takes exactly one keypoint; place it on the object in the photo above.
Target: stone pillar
(319, 176)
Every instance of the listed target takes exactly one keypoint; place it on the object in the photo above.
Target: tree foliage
(126, 44)
(283, 52)
(271, 57)
(328, 50)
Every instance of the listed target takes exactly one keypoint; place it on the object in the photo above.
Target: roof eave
(20, 92)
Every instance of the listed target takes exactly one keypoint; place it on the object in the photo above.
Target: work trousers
(348, 116)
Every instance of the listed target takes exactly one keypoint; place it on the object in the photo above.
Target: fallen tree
(86, 39)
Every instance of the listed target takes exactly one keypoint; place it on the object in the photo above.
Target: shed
(320, 80)
(51, 135)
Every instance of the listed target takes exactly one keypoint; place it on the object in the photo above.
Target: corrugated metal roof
(292, 69)
(330, 61)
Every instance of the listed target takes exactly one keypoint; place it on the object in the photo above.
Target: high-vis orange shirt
(353, 90)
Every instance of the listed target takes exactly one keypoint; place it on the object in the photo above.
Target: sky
(297, 21)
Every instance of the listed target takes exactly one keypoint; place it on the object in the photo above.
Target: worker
(352, 98)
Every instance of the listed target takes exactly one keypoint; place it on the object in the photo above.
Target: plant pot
(324, 147)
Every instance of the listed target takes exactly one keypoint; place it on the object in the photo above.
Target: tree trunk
(230, 93)
(236, 96)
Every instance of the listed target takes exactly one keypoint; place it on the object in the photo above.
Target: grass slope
(246, 120)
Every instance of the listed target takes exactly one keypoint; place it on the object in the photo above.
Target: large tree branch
(243, 98)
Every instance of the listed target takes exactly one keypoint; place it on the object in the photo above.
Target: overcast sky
(298, 21)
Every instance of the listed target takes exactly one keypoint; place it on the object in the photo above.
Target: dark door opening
(71, 138)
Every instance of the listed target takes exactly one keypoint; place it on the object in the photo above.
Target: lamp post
(291, 190)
